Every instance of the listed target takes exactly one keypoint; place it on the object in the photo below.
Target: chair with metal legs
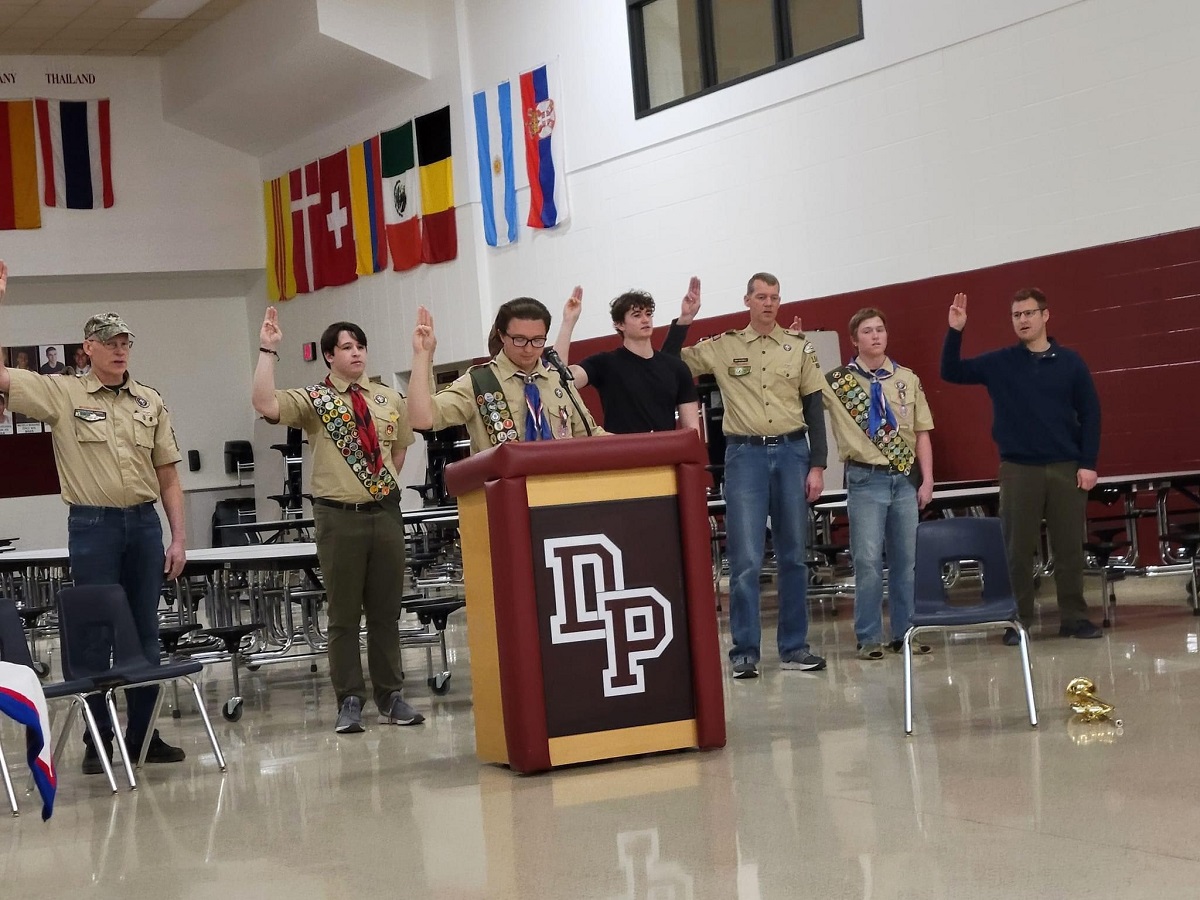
(91, 616)
(947, 541)
(14, 649)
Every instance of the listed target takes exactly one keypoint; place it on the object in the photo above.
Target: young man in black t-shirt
(640, 388)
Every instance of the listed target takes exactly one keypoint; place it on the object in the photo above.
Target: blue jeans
(761, 481)
(883, 514)
(112, 545)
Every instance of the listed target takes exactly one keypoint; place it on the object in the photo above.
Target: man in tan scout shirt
(882, 423)
(116, 456)
(359, 432)
(774, 427)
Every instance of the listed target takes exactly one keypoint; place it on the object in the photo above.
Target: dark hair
(1030, 294)
(518, 308)
(628, 302)
(329, 338)
(862, 315)
(765, 277)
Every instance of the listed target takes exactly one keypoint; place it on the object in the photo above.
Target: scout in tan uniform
(359, 432)
(774, 427)
(515, 397)
(116, 456)
(882, 422)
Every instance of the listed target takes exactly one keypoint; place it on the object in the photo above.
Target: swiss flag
(307, 225)
(336, 258)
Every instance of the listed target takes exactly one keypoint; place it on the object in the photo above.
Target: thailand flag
(76, 153)
(497, 173)
(21, 698)
(542, 124)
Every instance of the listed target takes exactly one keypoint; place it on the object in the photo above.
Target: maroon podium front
(590, 610)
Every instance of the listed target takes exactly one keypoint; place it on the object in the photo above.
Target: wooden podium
(590, 610)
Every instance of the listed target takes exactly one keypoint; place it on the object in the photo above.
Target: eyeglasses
(1026, 313)
(115, 343)
(519, 340)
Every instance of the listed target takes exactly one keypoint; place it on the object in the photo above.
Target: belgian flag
(439, 231)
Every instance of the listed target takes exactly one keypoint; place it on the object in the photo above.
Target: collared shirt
(332, 476)
(107, 443)
(906, 399)
(761, 377)
(456, 404)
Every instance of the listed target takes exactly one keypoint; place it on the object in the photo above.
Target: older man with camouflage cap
(116, 456)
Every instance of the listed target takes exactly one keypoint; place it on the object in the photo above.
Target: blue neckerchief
(537, 426)
(879, 411)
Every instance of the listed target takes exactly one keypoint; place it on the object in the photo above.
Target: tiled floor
(818, 793)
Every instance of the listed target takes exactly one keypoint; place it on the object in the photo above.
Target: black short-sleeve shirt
(639, 394)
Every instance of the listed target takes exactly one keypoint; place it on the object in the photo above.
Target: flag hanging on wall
(366, 206)
(277, 209)
(336, 260)
(439, 231)
(543, 148)
(19, 206)
(401, 197)
(305, 192)
(76, 153)
(497, 173)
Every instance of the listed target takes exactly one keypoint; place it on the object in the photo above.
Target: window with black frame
(681, 49)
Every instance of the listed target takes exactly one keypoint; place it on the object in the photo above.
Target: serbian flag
(497, 173)
(22, 699)
(76, 153)
(543, 149)
(19, 207)
(366, 206)
(336, 258)
(401, 197)
(439, 230)
(304, 188)
(277, 209)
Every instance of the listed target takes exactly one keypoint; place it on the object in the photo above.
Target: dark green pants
(1029, 494)
(362, 564)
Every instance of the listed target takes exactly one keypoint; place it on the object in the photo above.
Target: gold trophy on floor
(1090, 709)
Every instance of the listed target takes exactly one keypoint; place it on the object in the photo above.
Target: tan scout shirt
(906, 398)
(332, 478)
(455, 405)
(761, 377)
(106, 444)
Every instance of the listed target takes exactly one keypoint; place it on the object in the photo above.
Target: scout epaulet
(855, 400)
(493, 407)
(338, 419)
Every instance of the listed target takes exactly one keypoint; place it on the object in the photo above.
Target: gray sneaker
(802, 661)
(399, 712)
(744, 667)
(349, 720)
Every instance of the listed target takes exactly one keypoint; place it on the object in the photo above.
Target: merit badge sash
(493, 407)
(855, 401)
(338, 419)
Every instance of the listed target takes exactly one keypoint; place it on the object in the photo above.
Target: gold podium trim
(631, 484)
(577, 748)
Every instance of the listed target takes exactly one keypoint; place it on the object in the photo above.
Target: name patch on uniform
(91, 415)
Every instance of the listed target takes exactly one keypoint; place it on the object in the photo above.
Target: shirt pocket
(144, 426)
(387, 426)
(91, 432)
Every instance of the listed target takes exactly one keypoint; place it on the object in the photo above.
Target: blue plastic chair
(99, 615)
(950, 541)
(14, 649)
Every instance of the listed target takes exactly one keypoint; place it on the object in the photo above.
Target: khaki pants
(1029, 494)
(362, 563)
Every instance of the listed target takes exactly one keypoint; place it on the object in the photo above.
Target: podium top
(604, 453)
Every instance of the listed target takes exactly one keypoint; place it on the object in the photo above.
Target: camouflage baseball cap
(105, 326)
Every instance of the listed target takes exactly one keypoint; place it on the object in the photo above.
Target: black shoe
(159, 750)
(1011, 638)
(91, 759)
(1082, 629)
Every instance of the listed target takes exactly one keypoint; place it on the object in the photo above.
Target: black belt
(349, 507)
(890, 470)
(766, 440)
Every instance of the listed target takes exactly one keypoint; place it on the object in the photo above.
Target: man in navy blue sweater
(1046, 424)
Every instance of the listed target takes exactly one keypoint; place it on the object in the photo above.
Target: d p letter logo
(591, 603)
